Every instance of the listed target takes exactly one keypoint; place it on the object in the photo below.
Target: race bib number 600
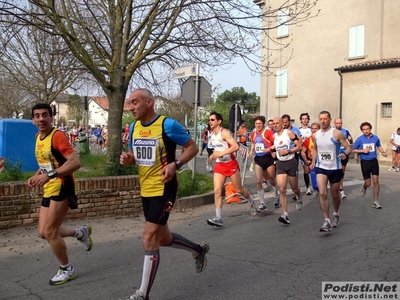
(144, 150)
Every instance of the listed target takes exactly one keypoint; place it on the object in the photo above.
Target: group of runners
(277, 154)
(278, 147)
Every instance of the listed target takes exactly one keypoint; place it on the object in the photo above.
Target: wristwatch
(289, 151)
(52, 174)
(178, 164)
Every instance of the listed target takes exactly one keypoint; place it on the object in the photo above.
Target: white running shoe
(253, 210)
(86, 240)
(299, 204)
(217, 222)
(262, 207)
(284, 218)
(251, 167)
(363, 190)
(327, 226)
(342, 195)
(137, 296)
(63, 276)
(335, 221)
(264, 185)
(376, 205)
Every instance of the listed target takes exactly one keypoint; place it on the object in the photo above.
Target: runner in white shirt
(395, 141)
(305, 130)
(326, 159)
(286, 166)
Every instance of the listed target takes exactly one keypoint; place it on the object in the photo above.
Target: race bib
(326, 155)
(144, 150)
(45, 168)
(259, 147)
(225, 158)
(370, 146)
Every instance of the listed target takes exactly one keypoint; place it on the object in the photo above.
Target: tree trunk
(116, 99)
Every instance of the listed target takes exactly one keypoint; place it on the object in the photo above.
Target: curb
(195, 201)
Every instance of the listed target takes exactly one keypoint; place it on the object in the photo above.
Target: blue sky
(237, 75)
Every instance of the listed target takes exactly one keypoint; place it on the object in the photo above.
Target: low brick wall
(103, 196)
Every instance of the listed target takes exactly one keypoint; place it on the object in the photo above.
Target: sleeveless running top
(328, 150)
(219, 145)
(283, 142)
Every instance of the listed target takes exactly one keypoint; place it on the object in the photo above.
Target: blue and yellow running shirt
(154, 146)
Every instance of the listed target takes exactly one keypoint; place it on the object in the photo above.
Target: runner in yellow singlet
(57, 161)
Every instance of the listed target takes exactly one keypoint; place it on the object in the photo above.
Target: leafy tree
(124, 39)
(226, 99)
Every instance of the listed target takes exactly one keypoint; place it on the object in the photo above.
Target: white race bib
(259, 147)
(370, 146)
(326, 155)
(45, 168)
(144, 150)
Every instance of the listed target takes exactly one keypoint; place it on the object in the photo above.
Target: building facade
(345, 60)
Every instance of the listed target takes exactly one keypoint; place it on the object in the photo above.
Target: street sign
(189, 88)
(191, 70)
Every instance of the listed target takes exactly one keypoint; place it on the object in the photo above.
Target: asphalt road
(251, 258)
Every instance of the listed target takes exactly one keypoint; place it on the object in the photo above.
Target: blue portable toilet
(17, 142)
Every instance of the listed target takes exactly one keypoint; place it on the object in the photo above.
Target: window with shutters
(356, 42)
(281, 83)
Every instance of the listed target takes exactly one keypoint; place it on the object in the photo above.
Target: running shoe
(327, 226)
(253, 209)
(264, 185)
(363, 190)
(137, 296)
(342, 195)
(86, 240)
(215, 222)
(201, 259)
(376, 205)
(284, 218)
(335, 221)
(276, 202)
(63, 275)
(392, 169)
(262, 207)
(308, 192)
(251, 167)
(397, 169)
(299, 204)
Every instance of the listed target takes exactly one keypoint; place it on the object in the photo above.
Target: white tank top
(219, 145)
(328, 150)
(282, 142)
(305, 132)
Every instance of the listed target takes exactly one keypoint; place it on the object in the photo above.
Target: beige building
(346, 60)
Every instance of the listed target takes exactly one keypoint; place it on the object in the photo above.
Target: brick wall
(103, 196)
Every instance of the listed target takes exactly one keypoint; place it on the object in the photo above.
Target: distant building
(98, 109)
